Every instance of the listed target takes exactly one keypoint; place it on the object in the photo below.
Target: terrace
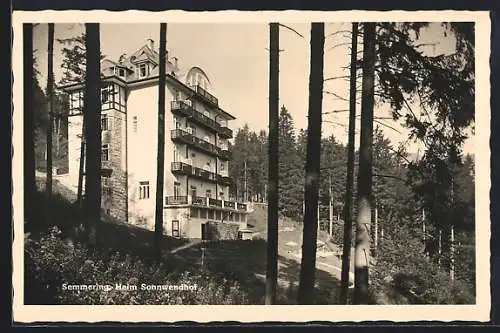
(188, 200)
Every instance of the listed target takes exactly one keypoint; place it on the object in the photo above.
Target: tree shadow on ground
(112, 235)
(245, 262)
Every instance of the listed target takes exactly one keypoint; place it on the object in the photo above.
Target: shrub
(223, 231)
(52, 263)
(401, 268)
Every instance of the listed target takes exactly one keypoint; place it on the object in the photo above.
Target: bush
(407, 276)
(52, 263)
(223, 231)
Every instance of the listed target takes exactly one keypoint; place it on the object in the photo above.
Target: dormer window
(143, 70)
(120, 72)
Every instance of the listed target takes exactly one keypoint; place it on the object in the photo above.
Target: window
(106, 189)
(210, 214)
(134, 124)
(105, 92)
(105, 152)
(175, 228)
(121, 72)
(177, 189)
(221, 195)
(176, 155)
(104, 122)
(144, 190)
(76, 102)
(203, 213)
(143, 70)
(208, 193)
(218, 215)
(194, 212)
(193, 191)
(177, 95)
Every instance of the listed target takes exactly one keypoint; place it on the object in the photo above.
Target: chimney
(122, 58)
(151, 44)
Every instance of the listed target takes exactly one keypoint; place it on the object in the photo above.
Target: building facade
(197, 155)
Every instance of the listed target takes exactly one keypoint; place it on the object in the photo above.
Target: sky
(236, 59)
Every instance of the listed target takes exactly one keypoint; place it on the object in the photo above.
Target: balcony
(184, 109)
(205, 202)
(215, 203)
(180, 135)
(225, 154)
(206, 95)
(225, 132)
(199, 201)
(230, 204)
(181, 108)
(189, 170)
(241, 206)
(224, 180)
(176, 200)
(181, 168)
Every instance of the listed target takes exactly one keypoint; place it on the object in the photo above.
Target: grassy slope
(242, 261)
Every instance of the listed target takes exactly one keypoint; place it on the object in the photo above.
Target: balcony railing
(176, 200)
(204, 202)
(225, 180)
(187, 169)
(214, 202)
(225, 132)
(181, 108)
(206, 95)
(225, 153)
(230, 204)
(184, 109)
(199, 201)
(188, 138)
(181, 167)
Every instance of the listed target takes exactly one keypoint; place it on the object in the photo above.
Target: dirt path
(290, 247)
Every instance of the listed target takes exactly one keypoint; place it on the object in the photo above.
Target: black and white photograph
(279, 159)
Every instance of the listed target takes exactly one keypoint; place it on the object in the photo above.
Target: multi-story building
(196, 180)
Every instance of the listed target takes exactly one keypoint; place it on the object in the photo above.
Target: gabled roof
(144, 53)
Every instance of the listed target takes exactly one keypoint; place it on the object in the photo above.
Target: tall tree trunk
(81, 166)
(452, 253)
(50, 106)
(58, 134)
(160, 167)
(311, 194)
(92, 115)
(272, 189)
(375, 239)
(330, 205)
(346, 247)
(362, 250)
(29, 124)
